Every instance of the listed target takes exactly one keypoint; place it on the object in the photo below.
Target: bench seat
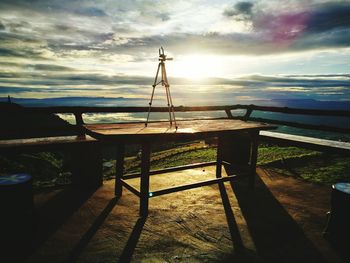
(305, 142)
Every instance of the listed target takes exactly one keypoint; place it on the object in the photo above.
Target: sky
(110, 48)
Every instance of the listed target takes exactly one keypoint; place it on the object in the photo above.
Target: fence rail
(78, 112)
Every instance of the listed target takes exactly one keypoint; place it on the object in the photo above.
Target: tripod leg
(170, 99)
(154, 86)
(166, 85)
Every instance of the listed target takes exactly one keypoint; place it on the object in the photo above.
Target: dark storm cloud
(316, 26)
(243, 10)
(329, 16)
(330, 39)
(2, 27)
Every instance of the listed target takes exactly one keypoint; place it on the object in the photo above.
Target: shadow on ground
(222, 223)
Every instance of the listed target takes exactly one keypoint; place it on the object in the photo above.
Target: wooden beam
(81, 109)
(191, 186)
(119, 169)
(144, 184)
(305, 142)
(130, 188)
(171, 169)
(302, 125)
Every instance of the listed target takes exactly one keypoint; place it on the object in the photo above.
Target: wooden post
(253, 158)
(219, 158)
(236, 150)
(119, 167)
(87, 166)
(145, 167)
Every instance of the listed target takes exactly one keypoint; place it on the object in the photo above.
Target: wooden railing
(249, 109)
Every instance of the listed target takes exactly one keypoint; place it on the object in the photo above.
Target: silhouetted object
(18, 122)
(17, 211)
(8, 99)
(338, 225)
(165, 83)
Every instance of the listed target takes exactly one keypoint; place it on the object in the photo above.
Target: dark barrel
(338, 225)
(17, 209)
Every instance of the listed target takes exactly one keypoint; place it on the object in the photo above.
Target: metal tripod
(165, 83)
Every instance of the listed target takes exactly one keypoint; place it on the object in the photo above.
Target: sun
(195, 67)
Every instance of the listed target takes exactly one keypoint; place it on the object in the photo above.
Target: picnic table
(137, 133)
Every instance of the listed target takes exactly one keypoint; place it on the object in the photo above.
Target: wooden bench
(305, 142)
(84, 150)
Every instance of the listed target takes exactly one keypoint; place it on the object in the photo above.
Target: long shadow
(84, 241)
(132, 241)
(231, 221)
(47, 219)
(277, 237)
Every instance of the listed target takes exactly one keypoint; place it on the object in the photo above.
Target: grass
(49, 169)
(304, 164)
(321, 168)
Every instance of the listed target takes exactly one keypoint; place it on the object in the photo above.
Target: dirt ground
(280, 220)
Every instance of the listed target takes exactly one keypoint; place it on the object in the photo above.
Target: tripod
(165, 83)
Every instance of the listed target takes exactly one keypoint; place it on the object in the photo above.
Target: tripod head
(162, 56)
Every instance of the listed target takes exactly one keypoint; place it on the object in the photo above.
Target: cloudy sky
(62, 46)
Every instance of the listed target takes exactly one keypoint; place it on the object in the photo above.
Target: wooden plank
(145, 166)
(81, 109)
(119, 170)
(306, 142)
(253, 158)
(162, 130)
(44, 143)
(170, 169)
(302, 125)
(131, 188)
(219, 157)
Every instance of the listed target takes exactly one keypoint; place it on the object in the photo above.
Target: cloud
(329, 16)
(240, 11)
(91, 11)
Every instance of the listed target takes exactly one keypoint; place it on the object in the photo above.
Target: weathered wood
(137, 132)
(253, 157)
(154, 132)
(302, 125)
(87, 166)
(305, 142)
(44, 144)
(78, 111)
(86, 162)
(130, 188)
(219, 157)
(236, 150)
(119, 170)
(81, 109)
(144, 184)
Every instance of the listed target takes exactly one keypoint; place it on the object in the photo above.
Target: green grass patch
(322, 168)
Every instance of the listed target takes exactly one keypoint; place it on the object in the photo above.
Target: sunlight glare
(196, 66)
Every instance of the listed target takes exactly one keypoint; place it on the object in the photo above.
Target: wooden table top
(162, 130)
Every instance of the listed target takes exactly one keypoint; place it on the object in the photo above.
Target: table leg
(253, 158)
(219, 157)
(145, 167)
(119, 170)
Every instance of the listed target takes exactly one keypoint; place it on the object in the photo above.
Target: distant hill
(18, 124)
(76, 101)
